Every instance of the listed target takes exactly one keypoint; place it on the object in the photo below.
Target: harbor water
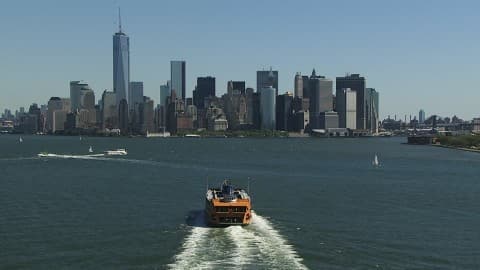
(319, 204)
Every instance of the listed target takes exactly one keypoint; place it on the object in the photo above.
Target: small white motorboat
(116, 152)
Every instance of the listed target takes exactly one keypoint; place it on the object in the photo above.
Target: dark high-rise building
(267, 78)
(177, 78)
(146, 114)
(327, 120)
(135, 95)
(109, 112)
(284, 111)
(320, 92)
(123, 116)
(35, 110)
(356, 84)
(236, 86)
(421, 116)
(256, 110)
(372, 109)
(305, 85)
(250, 96)
(236, 108)
(205, 88)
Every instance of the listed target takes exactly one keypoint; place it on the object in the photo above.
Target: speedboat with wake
(46, 154)
(227, 206)
(116, 152)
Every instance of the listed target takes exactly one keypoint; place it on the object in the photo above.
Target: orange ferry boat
(227, 206)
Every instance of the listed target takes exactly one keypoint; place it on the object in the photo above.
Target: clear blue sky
(417, 54)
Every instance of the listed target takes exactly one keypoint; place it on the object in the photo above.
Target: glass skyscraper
(266, 78)
(177, 78)
(357, 84)
(121, 64)
(135, 95)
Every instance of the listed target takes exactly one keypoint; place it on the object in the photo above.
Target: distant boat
(20, 139)
(90, 150)
(80, 138)
(46, 154)
(375, 162)
(116, 152)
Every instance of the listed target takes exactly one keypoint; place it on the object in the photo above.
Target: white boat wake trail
(235, 247)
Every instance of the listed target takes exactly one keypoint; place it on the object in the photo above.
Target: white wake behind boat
(116, 152)
(45, 154)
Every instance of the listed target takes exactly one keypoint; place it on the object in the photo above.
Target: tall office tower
(87, 99)
(109, 110)
(298, 85)
(421, 116)
(357, 84)
(236, 105)
(177, 78)
(238, 86)
(76, 88)
(123, 116)
(347, 108)
(57, 113)
(121, 63)
(249, 94)
(267, 108)
(321, 93)
(28, 122)
(135, 95)
(305, 83)
(266, 78)
(146, 114)
(86, 112)
(284, 111)
(164, 93)
(372, 110)
(205, 88)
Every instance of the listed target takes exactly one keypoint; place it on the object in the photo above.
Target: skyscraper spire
(119, 21)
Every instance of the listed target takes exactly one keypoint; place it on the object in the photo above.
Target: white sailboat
(90, 150)
(375, 162)
(20, 139)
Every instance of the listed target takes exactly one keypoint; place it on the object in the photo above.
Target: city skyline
(421, 84)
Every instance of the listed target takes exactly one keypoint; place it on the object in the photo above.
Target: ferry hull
(231, 214)
(227, 206)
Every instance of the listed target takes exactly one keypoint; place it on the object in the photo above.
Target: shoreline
(456, 148)
(206, 136)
